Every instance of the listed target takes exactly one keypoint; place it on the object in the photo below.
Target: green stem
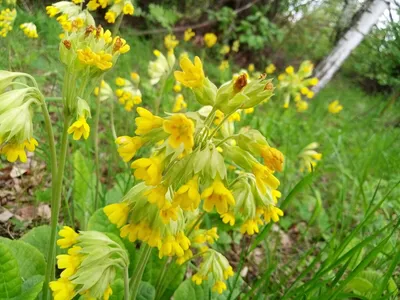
(96, 145)
(220, 124)
(48, 99)
(138, 273)
(199, 218)
(158, 100)
(160, 279)
(55, 206)
(126, 283)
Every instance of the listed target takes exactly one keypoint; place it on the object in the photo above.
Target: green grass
(340, 230)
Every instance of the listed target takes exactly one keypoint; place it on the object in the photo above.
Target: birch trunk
(362, 24)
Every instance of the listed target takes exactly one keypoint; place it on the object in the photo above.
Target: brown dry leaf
(44, 211)
(26, 213)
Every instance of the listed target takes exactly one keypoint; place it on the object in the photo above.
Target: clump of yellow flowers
(335, 107)
(86, 54)
(294, 85)
(128, 92)
(7, 17)
(210, 39)
(90, 265)
(186, 174)
(29, 30)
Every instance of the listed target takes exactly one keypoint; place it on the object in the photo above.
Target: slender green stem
(48, 99)
(158, 100)
(96, 145)
(199, 218)
(126, 283)
(55, 206)
(138, 273)
(220, 124)
(113, 131)
(160, 279)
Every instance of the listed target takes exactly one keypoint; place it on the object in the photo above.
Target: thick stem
(160, 279)
(55, 206)
(126, 283)
(138, 273)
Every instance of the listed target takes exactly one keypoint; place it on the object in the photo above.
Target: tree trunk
(362, 23)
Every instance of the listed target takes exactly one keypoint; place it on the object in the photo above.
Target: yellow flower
(135, 77)
(15, 151)
(69, 235)
(228, 273)
(157, 195)
(172, 246)
(198, 279)
(251, 226)
(248, 111)
(188, 35)
(310, 94)
(186, 256)
(188, 196)
(270, 69)
(281, 77)
(314, 81)
(302, 106)
(177, 87)
(251, 68)
(304, 90)
(147, 121)
(128, 9)
(128, 146)
(107, 293)
(120, 45)
(219, 196)
(224, 65)
(92, 5)
(70, 262)
(289, 70)
(179, 103)
(79, 128)
(29, 30)
(225, 49)
(234, 117)
(120, 81)
(110, 17)
(62, 289)
(148, 169)
(228, 218)
(181, 130)
(264, 178)
(210, 39)
(117, 213)
(168, 212)
(170, 41)
(192, 75)
(273, 158)
(219, 287)
(335, 107)
(219, 116)
(52, 11)
(273, 213)
(275, 195)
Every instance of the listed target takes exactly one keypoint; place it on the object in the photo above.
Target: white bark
(350, 40)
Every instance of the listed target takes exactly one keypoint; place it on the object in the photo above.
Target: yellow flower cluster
(80, 274)
(170, 42)
(210, 39)
(128, 92)
(335, 107)
(186, 172)
(118, 7)
(29, 30)
(188, 34)
(7, 17)
(309, 157)
(294, 85)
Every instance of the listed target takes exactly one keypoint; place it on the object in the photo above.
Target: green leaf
(10, 279)
(189, 290)
(30, 261)
(83, 202)
(361, 285)
(118, 290)
(31, 288)
(146, 291)
(39, 238)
